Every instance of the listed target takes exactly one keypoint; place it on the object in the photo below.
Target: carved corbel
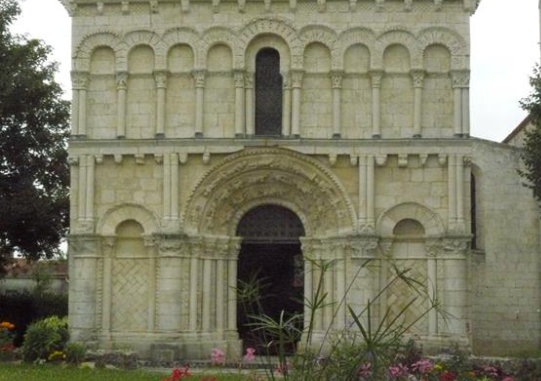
(183, 157)
(216, 6)
(140, 159)
(352, 5)
(241, 5)
(99, 159)
(206, 157)
(408, 5)
(268, 5)
(125, 7)
(381, 160)
(73, 160)
(185, 5)
(423, 158)
(438, 4)
(442, 159)
(380, 5)
(332, 159)
(293, 5)
(118, 158)
(403, 160)
(321, 5)
(353, 160)
(99, 6)
(158, 157)
(154, 6)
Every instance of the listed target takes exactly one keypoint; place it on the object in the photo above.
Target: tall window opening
(268, 93)
(270, 275)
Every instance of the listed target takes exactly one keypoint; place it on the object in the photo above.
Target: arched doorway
(270, 273)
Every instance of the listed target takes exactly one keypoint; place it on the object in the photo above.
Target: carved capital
(460, 78)
(154, 6)
(385, 246)
(199, 77)
(122, 80)
(108, 246)
(125, 7)
(457, 245)
(375, 78)
(161, 79)
(286, 81)
(418, 77)
(408, 5)
(434, 247)
(296, 78)
(73, 160)
(83, 244)
(238, 77)
(336, 79)
(364, 247)
(79, 80)
(249, 80)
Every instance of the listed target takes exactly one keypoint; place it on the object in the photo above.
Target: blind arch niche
(268, 93)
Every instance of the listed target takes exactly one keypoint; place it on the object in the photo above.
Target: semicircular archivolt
(277, 176)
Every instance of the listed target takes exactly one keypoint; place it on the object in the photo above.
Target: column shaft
(174, 187)
(207, 296)
(466, 111)
(376, 103)
(417, 112)
(89, 215)
(82, 112)
(121, 113)
(451, 165)
(308, 292)
(151, 289)
(457, 123)
(106, 299)
(329, 300)
(286, 106)
(160, 111)
(250, 104)
(220, 321)
(75, 112)
(232, 295)
(318, 313)
(166, 187)
(194, 262)
(199, 101)
(362, 190)
(340, 300)
(239, 103)
(370, 191)
(82, 187)
(296, 82)
(336, 113)
(432, 292)
(460, 191)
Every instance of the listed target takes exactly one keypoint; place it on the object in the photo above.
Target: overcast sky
(505, 36)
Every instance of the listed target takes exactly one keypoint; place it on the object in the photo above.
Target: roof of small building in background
(518, 129)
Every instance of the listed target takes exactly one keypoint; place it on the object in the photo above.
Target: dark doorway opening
(270, 276)
(268, 93)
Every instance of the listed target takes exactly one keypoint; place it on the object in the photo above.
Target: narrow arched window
(268, 93)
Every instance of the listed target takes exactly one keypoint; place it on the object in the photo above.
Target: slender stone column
(455, 269)
(170, 290)
(108, 250)
(328, 283)
(340, 300)
(296, 83)
(250, 103)
(150, 245)
(370, 191)
(362, 191)
(451, 165)
(418, 79)
(161, 84)
(121, 88)
(232, 295)
(239, 103)
(199, 76)
(308, 287)
(82, 187)
(375, 77)
(76, 85)
(385, 248)
(90, 163)
(207, 293)
(336, 78)
(174, 187)
(460, 192)
(286, 105)
(461, 82)
(363, 250)
(82, 83)
(220, 281)
(432, 249)
(167, 187)
(74, 184)
(466, 111)
(194, 267)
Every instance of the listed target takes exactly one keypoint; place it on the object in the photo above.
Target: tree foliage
(34, 175)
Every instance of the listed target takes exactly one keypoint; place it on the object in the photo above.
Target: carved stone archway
(269, 176)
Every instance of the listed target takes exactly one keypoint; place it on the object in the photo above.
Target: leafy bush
(75, 353)
(23, 308)
(45, 336)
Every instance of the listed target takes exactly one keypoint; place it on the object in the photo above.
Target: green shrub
(75, 353)
(23, 308)
(45, 336)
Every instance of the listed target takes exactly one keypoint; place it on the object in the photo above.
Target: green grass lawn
(24, 372)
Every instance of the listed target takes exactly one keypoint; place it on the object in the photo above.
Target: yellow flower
(7, 325)
(438, 367)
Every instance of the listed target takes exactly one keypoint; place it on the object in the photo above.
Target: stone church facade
(352, 116)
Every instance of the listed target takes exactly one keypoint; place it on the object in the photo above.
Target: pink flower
(366, 370)
(508, 378)
(250, 355)
(422, 366)
(399, 370)
(280, 370)
(217, 357)
(490, 371)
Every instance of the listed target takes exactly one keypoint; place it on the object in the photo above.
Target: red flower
(447, 376)
(9, 347)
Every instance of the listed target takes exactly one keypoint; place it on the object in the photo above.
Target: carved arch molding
(261, 176)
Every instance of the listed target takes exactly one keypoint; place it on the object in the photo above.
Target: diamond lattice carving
(130, 299)
(400, 294)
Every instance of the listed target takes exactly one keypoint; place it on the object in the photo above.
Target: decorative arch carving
(271, 26)
(400, 37)
(410, 210)
(322, 34)
(448, 38)
(269, 41)
(177, 36)
(113, 217)
(215, 36)
(352, 37)
(83, 52)
(259, 176)
(143, 37)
